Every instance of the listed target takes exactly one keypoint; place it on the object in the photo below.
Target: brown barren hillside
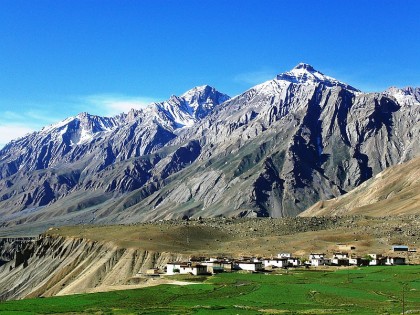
(395, 191)
(81, 259)
(261, 237)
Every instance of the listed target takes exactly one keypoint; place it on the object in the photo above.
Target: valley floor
(368, 290)
(84, 259)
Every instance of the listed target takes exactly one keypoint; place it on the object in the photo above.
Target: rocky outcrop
(9, 247)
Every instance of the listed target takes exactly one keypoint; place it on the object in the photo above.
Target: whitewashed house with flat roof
(294, 262)
(185, 268)
(318, 259)
(249, 265)
(340, 259)
(316, 256)
(276, 262)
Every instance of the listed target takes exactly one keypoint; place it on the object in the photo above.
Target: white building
(185, 268)
(355, 261)
(340, 255)
(376, 260)
(276, 262)
(316, 256)
(318, 259)
(319, 262)
(173, 268)
(248, 265)
(340, 259)
(294, 262)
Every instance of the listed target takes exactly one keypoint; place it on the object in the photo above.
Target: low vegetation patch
(369, 290)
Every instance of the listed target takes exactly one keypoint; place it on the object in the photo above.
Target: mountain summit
(193, 105)
(203, 99)
(273, 150)
(304, 73)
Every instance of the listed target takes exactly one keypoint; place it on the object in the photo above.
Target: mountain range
(274, 150)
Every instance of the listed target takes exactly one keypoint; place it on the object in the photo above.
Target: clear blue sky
(62, 57)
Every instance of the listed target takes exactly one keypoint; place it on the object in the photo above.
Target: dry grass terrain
(79, 259)
(394, 191)
(261, 237)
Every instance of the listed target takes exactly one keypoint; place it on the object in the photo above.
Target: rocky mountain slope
(394, 191)
(55, 266)
(273, 150)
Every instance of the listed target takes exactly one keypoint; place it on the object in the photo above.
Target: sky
(62, 57)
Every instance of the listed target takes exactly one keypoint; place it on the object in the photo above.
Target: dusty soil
(146, 283)
(259, 236)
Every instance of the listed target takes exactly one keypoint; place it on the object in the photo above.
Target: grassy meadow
(368, 290)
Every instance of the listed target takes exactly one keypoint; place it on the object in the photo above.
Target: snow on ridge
(180, 111)
(304, 73)
(57, 125)
(174, 111)
(190, 107)
(194, 91)
(404, 96)
(81, 128)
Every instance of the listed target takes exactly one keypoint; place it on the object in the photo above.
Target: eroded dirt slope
(80, 259)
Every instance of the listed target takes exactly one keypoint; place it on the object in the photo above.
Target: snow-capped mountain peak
(193, 105)
(273, 150)
(195, 91)
(304, 73)
(204, 96)
(80, 128)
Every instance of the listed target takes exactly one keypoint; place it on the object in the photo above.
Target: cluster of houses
(214, 265)
(343, 259)
(202, 265)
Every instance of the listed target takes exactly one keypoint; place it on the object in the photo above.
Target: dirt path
(149, 283)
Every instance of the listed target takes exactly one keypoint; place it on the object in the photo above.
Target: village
(205, 265)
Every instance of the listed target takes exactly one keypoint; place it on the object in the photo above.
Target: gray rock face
(85, 152)
(272, 151)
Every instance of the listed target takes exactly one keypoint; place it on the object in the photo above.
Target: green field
(369, 290)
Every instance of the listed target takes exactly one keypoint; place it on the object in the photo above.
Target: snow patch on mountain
(405, 96)
(57, 126)
(190, 107)
(272, 87)
(305, 74)
(80, 129)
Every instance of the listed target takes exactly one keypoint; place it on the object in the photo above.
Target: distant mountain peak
(203, 91)
(187, 109)
(198, 89)
(202, 99)
(304, 73)
(405, 96)
(305, 66)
